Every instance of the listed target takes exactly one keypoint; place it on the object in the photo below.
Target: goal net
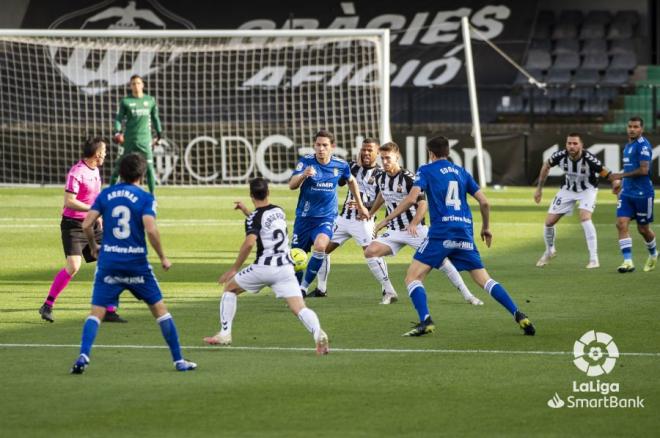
(233, 104)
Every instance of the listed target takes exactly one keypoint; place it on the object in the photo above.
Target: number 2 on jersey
(278, 237)
(123, 228)
(452, 199)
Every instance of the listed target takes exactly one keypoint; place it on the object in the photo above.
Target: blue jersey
(318, 193)
(446, 186)
(122, 207)
(633, 153)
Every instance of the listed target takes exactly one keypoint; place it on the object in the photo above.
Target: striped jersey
(366, 178)
(269, 225)
(394, 190)
(581, 174)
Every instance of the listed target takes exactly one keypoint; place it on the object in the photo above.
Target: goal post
(233, 104)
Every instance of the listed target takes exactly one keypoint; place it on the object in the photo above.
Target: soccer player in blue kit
(318, 176)
(128, 213)
(451, 235)
(636, 196)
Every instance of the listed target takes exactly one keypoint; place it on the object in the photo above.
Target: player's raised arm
(243, 253)
(299, 175)
(409, 200)
(154, 239)
(484, 208)
(543, 175)
(238, 205)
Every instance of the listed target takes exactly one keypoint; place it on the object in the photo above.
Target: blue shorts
(141, 282)
(305, 230)
(463, 254)
(639, 209)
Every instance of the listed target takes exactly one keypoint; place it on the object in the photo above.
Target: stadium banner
(426, 43)
(608, 148)
(516, 159)
(504, 155)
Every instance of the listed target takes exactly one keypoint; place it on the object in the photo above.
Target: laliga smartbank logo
(595, 354)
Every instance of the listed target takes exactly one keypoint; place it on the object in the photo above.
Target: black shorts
(74, 240)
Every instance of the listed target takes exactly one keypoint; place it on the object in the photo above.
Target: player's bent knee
(158, 309)
(376, 250)
(296, 304)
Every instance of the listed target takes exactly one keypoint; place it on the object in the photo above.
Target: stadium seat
(592, 31)
(621, 46)
(538, 59)
(582, 93)
(570, 16)
(594, 46)
(542, 105)
(567, 61)
(620, 31)
(596, 106)
(564, 31)
(558, 76)
(566, 105)
(624, 61)
(521, 79)
(541, 44)
(555, 93)
(607, 92)
(510, 105)
(586, 77)
(598, 16)
(567, 25)
(595, 61)
(615, 77)
(566, 46)
(631, 17)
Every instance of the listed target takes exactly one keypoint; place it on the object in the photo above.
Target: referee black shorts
(74, 240)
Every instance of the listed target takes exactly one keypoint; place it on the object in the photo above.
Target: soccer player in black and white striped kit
(348, 223)
(582, 170)
(266, 228)
(394, 184)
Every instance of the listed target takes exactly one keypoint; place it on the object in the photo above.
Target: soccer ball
(299, 259)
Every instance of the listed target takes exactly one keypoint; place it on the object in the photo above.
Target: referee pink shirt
(85, 183)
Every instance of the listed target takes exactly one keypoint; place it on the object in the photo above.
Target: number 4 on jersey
(453, 199)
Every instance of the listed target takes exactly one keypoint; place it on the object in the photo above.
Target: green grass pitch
(477, 375)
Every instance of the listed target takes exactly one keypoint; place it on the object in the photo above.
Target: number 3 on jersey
(123, 228)
(452, 199)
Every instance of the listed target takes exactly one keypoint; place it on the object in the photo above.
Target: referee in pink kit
(83, 184)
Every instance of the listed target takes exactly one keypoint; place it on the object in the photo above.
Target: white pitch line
(339, 350)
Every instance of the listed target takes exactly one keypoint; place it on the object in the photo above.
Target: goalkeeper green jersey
(141, 114)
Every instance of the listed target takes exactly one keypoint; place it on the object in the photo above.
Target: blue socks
(171, 336)
(500, 295)
(313, 267)
(417, 294)
(626, 248)
(90, 329)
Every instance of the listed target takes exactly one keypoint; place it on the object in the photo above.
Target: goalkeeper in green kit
(141, 115)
